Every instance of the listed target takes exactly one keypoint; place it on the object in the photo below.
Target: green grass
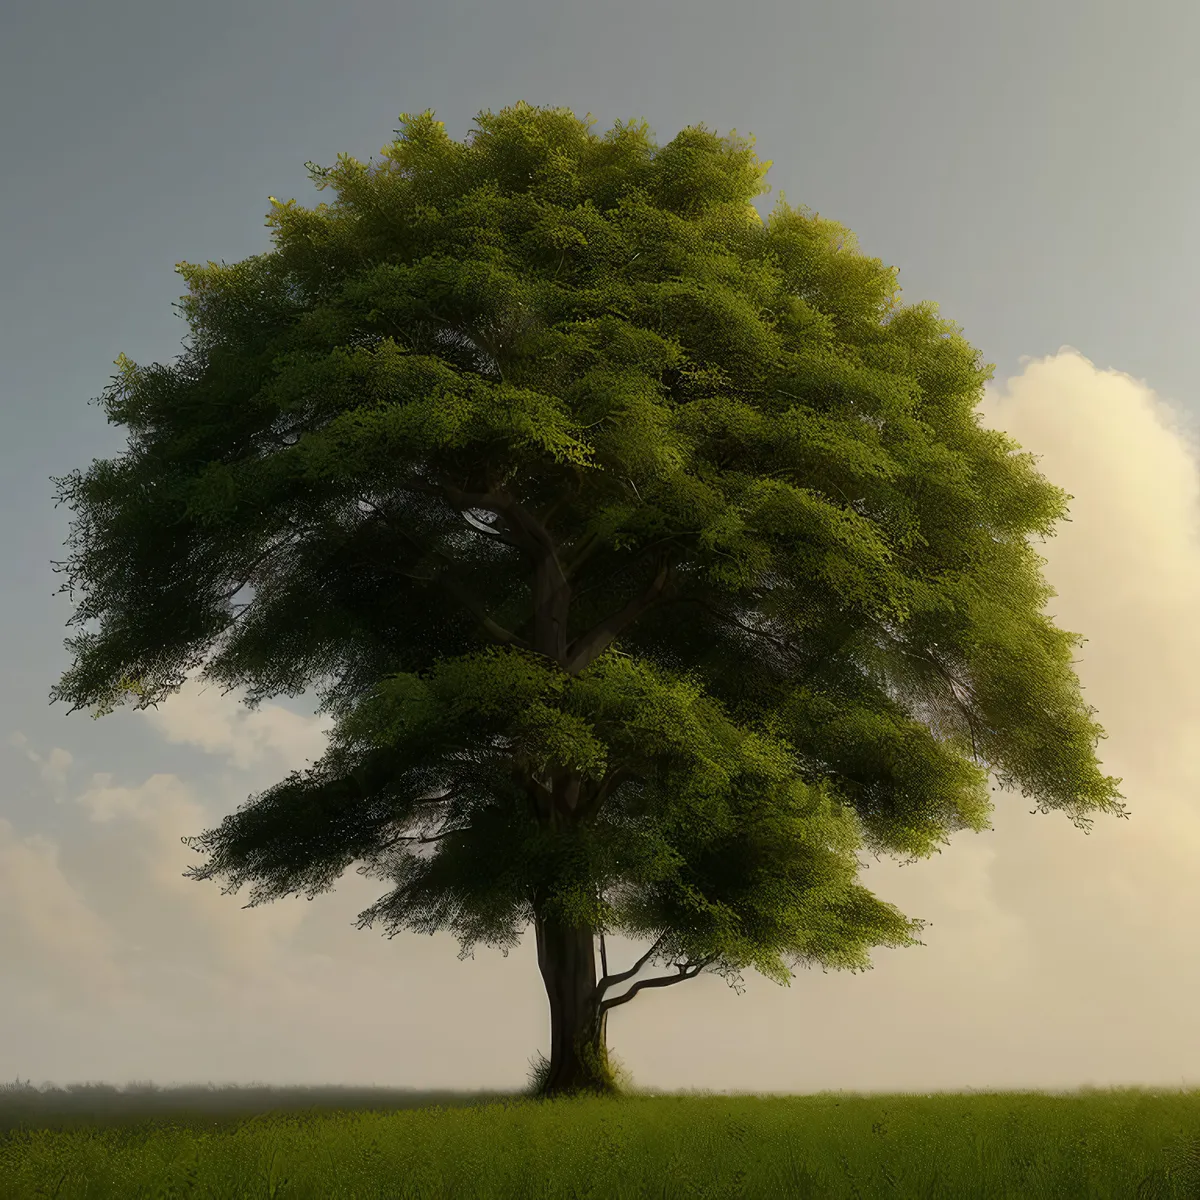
(1096, 1144)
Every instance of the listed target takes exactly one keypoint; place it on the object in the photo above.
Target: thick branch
(519, 521)
(586, 647)
(559, 504)
(475, 607)
(445, 578)
(686, 971)
(588, 546)
(612, 778)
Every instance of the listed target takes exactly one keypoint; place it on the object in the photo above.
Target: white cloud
(53, 767)
(51, 938)
(198, 715)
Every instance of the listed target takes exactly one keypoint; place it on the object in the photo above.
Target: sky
(1020, 164)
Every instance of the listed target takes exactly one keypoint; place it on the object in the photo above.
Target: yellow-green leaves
(125, 686)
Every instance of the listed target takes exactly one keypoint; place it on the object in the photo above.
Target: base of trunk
(581, 1069)
(579, 1061)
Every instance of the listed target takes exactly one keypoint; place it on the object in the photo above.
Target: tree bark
(578, 1046)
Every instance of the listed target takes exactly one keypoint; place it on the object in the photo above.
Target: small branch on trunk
(686, 971)
(609, 980)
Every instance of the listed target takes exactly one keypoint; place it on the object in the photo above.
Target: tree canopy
(650, 556)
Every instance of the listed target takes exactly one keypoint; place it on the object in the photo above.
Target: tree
(651, 558)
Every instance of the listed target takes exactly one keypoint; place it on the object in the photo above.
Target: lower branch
(686, 971)
(608, 980)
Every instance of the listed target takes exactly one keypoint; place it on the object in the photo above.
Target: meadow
(370, 1144)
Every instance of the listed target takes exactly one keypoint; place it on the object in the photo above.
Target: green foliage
(650, 556)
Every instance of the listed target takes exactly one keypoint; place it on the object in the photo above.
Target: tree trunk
(578, 1049)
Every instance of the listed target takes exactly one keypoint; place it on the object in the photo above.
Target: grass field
(329, 1144)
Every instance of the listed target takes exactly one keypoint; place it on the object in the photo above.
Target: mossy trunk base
(579, 1061)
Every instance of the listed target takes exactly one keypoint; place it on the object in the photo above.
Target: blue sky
(1027, 165)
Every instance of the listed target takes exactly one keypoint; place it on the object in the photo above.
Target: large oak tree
(650, 557)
